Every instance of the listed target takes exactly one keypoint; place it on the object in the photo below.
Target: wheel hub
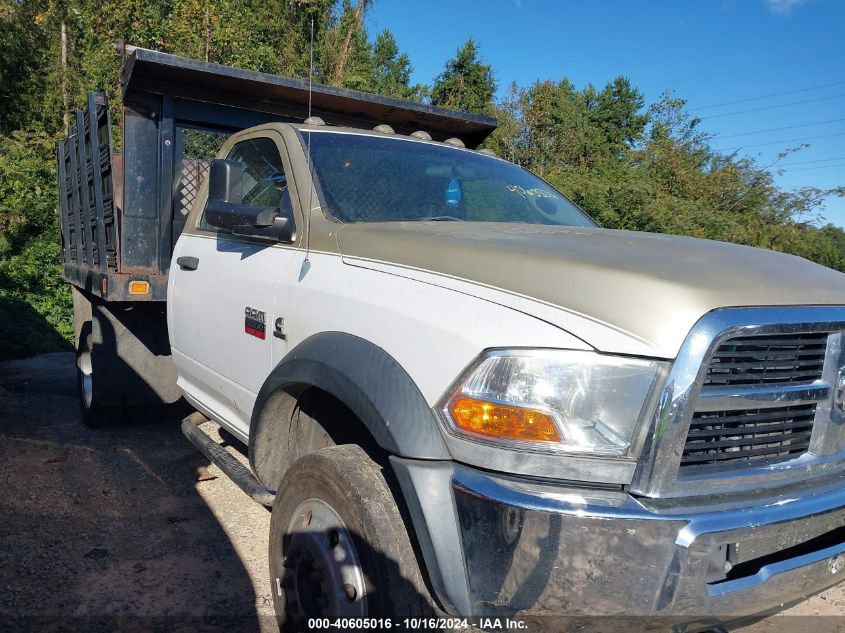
(86, 378)
(322, 570)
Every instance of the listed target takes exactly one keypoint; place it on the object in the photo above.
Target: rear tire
(124, 370)
(339, 546)
(93, 414)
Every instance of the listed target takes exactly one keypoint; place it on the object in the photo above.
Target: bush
(36, 308)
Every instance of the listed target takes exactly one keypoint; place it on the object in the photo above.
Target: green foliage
(30, 249)
(466, 83)
(24, 331)
(392, 70)
(617, 113)
(33, 277)
(655, 171)
(28, 195)
(630, 166)
(22, 42)
(345, 56)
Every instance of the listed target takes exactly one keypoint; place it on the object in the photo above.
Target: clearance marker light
(139, 287)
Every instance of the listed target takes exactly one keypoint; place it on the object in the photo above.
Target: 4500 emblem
(255, 323)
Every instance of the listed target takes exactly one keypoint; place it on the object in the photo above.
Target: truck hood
(653, 287)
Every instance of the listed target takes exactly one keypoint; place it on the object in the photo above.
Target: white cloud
(784, 7)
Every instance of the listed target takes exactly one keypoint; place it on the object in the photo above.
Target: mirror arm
(267, 217)
(280, 231)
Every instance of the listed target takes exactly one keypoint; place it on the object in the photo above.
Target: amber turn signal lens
(139, 287)
(503, 421)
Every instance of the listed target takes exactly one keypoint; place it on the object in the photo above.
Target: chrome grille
(722, 433)
(718, 405)
(772, 359)
(749, 435)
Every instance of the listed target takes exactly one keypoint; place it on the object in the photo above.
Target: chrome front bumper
(504, 546)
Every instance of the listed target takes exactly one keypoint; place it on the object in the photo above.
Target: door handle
(188, 263)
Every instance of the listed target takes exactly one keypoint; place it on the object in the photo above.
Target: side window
(265, 183)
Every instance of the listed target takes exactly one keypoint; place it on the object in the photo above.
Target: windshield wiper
(440, 218)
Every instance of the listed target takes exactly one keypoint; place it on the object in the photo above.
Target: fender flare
(365, 378)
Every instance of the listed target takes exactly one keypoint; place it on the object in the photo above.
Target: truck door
(221, 295)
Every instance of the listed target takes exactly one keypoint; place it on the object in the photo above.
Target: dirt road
(130, 528)
(120, 527)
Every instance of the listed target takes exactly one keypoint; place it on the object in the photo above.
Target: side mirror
(225, 208)
(226, 181)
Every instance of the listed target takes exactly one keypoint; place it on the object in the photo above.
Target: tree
(617, 112)
(509, 138)
(466, 83)
(392, 69)
(24, 60)
(345, 51)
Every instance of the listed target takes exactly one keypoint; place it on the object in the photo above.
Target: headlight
(562, 401)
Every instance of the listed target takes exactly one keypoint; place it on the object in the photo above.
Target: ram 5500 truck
(460, 396)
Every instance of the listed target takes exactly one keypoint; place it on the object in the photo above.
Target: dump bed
(122, 213)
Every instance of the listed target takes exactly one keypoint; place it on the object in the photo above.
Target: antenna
(308, 150)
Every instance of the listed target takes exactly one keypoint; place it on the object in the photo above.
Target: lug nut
(350, 591)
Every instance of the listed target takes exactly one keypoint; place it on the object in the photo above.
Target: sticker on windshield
(536, 192)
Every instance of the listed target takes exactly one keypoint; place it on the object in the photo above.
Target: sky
(764, 76)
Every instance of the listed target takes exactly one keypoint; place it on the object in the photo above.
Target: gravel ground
(118, 528)
(131, 528)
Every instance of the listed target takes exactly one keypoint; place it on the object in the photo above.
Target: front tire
(339, 546)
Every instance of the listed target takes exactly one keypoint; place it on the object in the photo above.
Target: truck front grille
(755, 398)
(748, 435)
(772, 359)
(748, 412)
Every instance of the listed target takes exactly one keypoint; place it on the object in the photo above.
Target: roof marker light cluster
(420, 135)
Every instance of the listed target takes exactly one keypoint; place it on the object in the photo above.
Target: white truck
(461, 397)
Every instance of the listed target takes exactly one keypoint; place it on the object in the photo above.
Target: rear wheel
(124, 369)
(94, 414)
(339, 546)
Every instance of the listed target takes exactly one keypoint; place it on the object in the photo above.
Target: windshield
(364, 178)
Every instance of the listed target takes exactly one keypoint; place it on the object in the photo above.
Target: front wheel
(339, 547)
